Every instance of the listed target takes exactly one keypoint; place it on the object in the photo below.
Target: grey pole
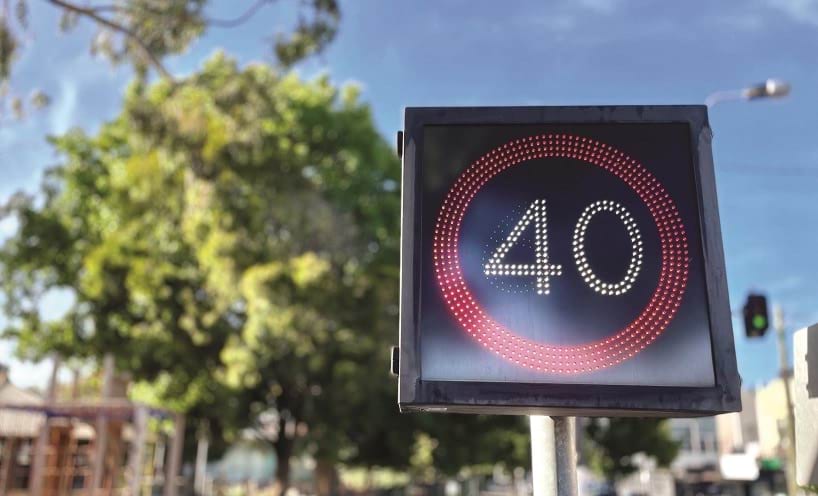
(771, 88)
(553, 455)
(101, 434)
(784, 362)
(36, 481)
(543, 453)
(200, 469)
(175, 460)
(137, 462)
(566, 445)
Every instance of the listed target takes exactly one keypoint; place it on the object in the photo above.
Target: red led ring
(620, 346)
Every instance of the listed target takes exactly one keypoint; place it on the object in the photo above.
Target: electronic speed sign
(563, 260)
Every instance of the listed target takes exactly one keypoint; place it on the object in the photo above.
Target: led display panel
(563, 259)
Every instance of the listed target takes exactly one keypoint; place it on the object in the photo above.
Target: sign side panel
(409, 284)
(721, 324)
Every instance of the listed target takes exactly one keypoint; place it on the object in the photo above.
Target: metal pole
(101, 435)
(9, 446)
(784, 362)
(717, 97)
(175, 461)
(543, 452)
(200, 471)
(37, 479)
(566, 444)
(553, 455)
(140, 425)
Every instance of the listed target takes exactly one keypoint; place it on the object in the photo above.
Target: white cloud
(567, 16)
(56, 302)
(600, 6)
(746, 256)
(23, 374)
(8, 226)
(62, 115)
(805, 11)
(556, 22)
(744, 21)
(13, 133)
(785, 284)
(807, 321)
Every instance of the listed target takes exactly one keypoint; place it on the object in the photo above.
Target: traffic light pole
(784, 362)
(553, 455)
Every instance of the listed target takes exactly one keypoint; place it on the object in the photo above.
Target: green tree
(473, 442)
(612, 443)
(232, 238)
(240, 227)
(233, 241)
(143, 32)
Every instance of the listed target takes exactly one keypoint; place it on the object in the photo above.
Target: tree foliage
(143, 32)
(613, 442)
(233, 241)
(240, 227)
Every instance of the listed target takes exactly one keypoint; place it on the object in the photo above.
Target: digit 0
(580, 258)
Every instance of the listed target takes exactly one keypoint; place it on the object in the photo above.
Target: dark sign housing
(565, 261)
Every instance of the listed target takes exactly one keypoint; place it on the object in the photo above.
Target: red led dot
(563, 359)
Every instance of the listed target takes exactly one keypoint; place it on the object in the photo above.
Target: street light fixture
(771, 88)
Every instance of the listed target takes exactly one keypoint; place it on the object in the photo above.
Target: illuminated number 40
(542, 270)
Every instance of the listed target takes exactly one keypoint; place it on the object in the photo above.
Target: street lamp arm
(724, 96)
(771, 88)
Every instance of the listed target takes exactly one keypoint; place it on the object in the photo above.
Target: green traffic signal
(756, 320)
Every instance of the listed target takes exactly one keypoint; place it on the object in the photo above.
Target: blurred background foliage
(143, 32)
(232, 238)
(611, 444)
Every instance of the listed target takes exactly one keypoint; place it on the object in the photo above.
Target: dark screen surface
(517, 252)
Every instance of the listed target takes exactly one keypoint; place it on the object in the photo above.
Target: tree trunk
(283, 449)
(326, 478)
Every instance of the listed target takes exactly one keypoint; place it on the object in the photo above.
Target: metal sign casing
(563, 261)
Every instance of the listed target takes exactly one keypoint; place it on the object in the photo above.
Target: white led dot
(635, 264)
(540, 269)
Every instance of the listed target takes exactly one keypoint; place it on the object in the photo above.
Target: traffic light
(756, 319)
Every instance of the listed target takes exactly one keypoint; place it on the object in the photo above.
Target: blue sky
(468, 52)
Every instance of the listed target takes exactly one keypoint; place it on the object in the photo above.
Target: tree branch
(210, 21)
(108, 8)
(249, 13)
(91, 13)
(124, 9)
